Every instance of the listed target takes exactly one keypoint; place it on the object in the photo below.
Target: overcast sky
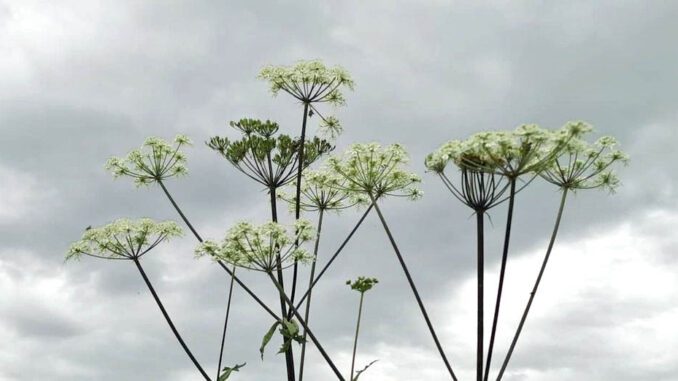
(84, 80)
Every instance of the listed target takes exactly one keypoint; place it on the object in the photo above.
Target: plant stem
(248, 291)
(295, 312)
(321, 212)
(536, 284)
(414, 290)
(183, 217)
(289, 355)
(223, 335)
(169, 321)
(502, 272)
(336, 254)
(357, 332)
(297, 206)
(480, 218)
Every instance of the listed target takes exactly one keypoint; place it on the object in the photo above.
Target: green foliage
(123, 239)
(227, 371)
(358, 373)
(289, 331)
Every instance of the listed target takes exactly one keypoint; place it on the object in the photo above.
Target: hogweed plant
(482, 172)
(361, 285)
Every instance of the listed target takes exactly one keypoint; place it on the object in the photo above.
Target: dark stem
(502, 273)
(228, 313)
(310, 283)
(414, 291)
(536, 284)
(336, 254)
(248, 291)
(289, 355)
(310, 334)
(183, 217)
(357, 332)
(232, 273)
(480, 218)
(297, 206)
(169, 321)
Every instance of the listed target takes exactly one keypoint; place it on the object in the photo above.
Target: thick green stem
(357, 332)
(502, 273)
(169, 321)
(310, 283)
(310, 334)
(414, 291)
(289, 355)
(480, 218)
(536, 284)
(297, 206)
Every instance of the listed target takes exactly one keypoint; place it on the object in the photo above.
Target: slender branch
(295, 312)
(248, 291)
(297, 206)
(480, 218)
(183, 217)
(336, 254)
(321, 212)
(357, 332)
(502, 272)
(169, 321)
(414, 290)
(536, 284)
(228, 313)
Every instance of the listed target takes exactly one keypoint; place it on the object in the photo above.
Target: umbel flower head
(317, 192)
(584, 165)
(527, 149)
(362, 284)
(267, 159)
(370, 170)
(260, 247)
(311, 82)
(123, 239)
(156, 160)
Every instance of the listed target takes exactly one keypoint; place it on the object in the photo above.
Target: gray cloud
(81, 82)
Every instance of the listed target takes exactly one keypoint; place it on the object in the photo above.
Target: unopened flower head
(374, 171)
(123, 239)
(309, 81)
(584, 165)
(260, 247)
(156, 160)
(318, 192)
(270, 160)
(362, 284)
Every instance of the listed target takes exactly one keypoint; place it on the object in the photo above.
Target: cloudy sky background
(83, 80)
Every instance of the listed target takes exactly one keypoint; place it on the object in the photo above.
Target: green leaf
(267, 338)
(358, 373)
(226, 372)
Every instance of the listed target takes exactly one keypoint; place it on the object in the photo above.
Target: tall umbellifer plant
(482, 172)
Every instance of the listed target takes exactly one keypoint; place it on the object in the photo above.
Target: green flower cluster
(261, 247)
(373, 171)
(156, 160)
(123, 239)
(267, 159)
(362, 284)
